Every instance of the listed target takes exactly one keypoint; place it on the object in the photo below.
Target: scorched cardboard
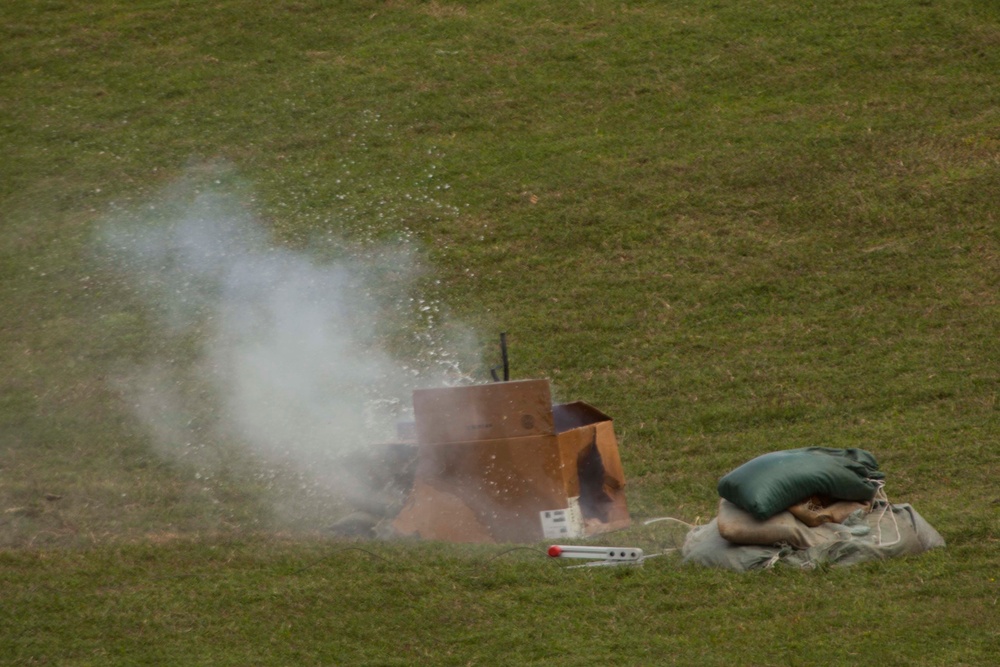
(500, 463)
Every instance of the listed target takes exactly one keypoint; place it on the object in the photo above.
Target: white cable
(773, 559)
(880, 495)
(668, 518)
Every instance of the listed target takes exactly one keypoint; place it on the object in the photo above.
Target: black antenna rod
(503, 354)
(506, 361)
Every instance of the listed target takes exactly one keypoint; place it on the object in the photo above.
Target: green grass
(735, 227)
(306, 603)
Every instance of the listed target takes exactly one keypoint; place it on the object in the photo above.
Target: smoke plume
(293, 359)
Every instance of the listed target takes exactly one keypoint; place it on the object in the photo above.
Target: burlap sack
(739, 527)
(814, 512)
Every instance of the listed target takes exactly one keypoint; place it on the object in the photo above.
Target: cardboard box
(500, 463)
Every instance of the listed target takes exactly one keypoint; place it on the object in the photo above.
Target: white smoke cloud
(269, 351)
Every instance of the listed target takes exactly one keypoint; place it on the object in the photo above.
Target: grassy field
(736, 227)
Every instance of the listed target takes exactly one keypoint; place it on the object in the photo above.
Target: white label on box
(563, 522)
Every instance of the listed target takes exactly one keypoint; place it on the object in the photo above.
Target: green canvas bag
(773, 482)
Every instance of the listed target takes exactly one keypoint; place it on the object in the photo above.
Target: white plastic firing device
(607, 554)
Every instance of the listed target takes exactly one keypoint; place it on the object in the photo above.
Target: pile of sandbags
(806, 506)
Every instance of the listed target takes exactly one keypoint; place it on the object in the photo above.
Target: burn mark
(594, 501)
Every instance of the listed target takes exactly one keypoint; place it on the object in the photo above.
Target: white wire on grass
(668, 518)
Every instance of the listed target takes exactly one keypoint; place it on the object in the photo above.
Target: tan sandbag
(816, 511)
(739, 527)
